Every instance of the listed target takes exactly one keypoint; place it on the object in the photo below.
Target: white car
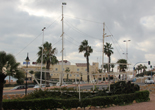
(81, 82)
(63, 84)
(149, 81)
(37, 86)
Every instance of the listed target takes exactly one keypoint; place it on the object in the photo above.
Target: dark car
(19, 87)
(30, 85)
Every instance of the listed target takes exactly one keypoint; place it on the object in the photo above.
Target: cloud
(148, 22)
(22, 21)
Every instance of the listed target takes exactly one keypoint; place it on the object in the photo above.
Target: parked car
(93, 81)
(31, 85)
(63, 84)
(19, 87)
(149, 81)
(43, 85)
(38, 86)
(81, 82)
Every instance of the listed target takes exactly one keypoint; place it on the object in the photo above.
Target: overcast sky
(21, 23)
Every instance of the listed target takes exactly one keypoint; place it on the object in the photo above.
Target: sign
(26, 63)
(63, 3)
(34, 63)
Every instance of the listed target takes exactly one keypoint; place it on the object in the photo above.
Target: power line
(84, 19)
(70, 25)
(28, 44)
(52, 45)
(72, 38)
(35, 38)
(116, 42)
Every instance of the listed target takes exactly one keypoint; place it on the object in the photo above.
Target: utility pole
(103, 48)
(61, 78)
(104, 35)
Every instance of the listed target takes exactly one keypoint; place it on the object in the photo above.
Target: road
(82, 86)
(29, 90)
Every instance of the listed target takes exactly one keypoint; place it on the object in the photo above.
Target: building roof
(81, 64)
(64, 61)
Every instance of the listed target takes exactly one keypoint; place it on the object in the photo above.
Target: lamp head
(27, 58)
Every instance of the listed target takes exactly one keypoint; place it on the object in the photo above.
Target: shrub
(123, 87)
(45, 103)
(20, 81)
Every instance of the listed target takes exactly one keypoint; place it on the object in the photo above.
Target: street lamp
(27, 60)
(42, 57)
(126, 49)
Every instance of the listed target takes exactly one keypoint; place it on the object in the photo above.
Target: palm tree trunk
(109, 65)
(47, 74)
(2, 77)
(87, 68)
(67, 77)
(109, 69)
(9, 79)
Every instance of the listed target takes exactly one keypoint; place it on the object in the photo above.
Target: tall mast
(61, 78)
(103, 46)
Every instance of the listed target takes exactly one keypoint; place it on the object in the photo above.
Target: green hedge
(45, 103)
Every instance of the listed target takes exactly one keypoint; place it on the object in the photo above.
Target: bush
(122, 87)
(20, 81)
(51, 103)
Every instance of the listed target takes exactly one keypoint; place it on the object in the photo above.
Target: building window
(77, 75)
(85, 69)
(56, 69)
(70, 75)
(51, 74)
(78, 69)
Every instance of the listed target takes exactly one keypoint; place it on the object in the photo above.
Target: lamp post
(27, 60)
(42, 57)
(126, 49)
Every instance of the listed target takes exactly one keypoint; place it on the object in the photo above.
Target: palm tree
(108, 51)
(105, 67)
(67, 71)
(48, 56)
(139, 67)
(84, 47)
(100, 70)
(112, 66)
(144, 68)
(8, 66)
(122, 67)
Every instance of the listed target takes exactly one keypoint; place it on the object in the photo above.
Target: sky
(22, 22)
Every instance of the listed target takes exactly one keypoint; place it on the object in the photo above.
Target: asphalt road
(83, 86)
(29, 90)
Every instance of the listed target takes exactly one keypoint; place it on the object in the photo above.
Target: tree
(20, 75)
(84, 47)
(108, 51)
(139, 67)
(100, 70)
(123, 66)
(67, 71)
(105, 67)
(48, 56)
(9, 66)
(112, 66)
(144, 68)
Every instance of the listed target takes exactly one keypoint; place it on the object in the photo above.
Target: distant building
(77, 71)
